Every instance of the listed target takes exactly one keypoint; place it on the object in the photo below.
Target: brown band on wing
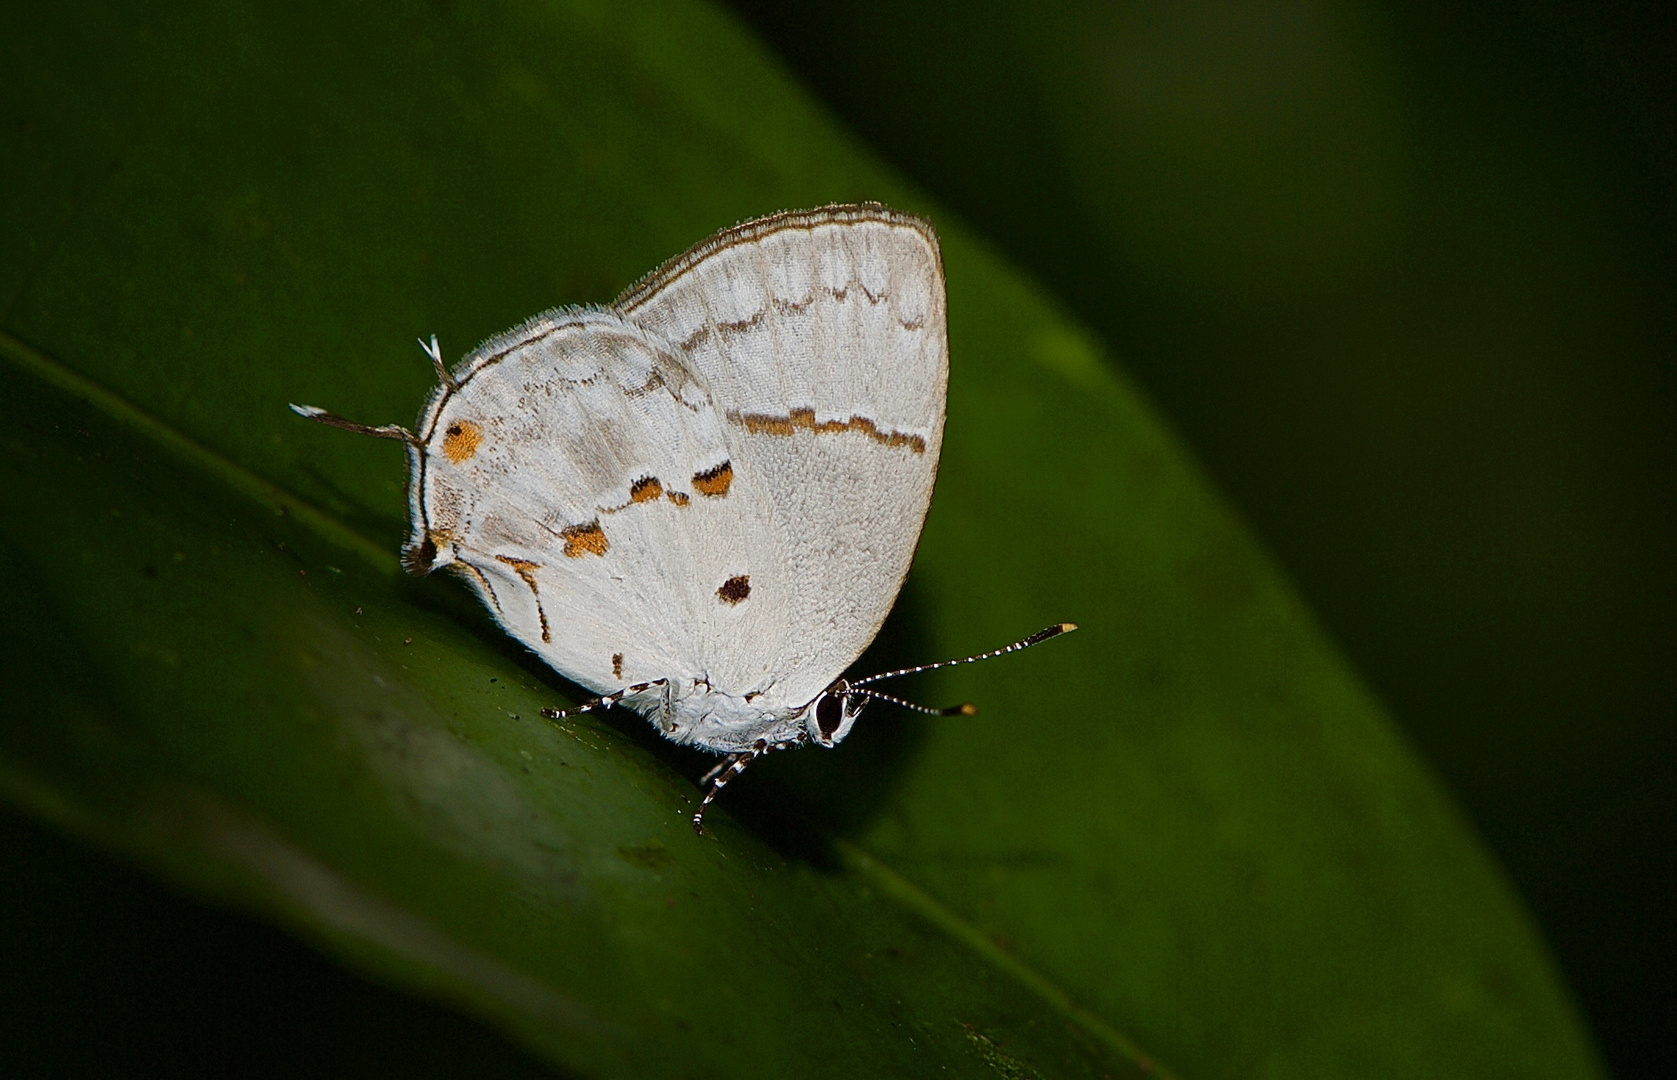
(804, 419)
(526, 570)
(523, 567)
(785, 307)
(465, 567)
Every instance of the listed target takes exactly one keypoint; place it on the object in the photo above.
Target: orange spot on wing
(679, 499)
(583, 540)
(461, 440)
(646, 489)
(714, 483)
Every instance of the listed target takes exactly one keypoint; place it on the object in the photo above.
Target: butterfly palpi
(701, 501)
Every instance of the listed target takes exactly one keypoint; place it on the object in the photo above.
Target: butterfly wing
(563, 471)
(821, 336)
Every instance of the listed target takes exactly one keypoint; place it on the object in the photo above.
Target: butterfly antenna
(1035, 639)
(965, 709)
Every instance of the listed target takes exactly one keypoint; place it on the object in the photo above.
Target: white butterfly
(702, 500)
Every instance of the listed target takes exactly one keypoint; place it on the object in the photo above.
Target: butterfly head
(830, 716)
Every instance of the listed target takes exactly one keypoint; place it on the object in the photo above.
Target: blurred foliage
(1185, 836)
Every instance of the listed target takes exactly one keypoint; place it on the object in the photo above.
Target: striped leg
(605, 702)
(730, 767)
(718, 767)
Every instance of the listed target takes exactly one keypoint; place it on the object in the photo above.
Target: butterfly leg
(605, 702)
(730, 767)
(718, 767)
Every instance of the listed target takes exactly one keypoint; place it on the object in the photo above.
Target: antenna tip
(309, 412)
(967, 709)
(1067, 627)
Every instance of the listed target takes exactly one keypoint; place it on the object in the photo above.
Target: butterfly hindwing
(564, 474)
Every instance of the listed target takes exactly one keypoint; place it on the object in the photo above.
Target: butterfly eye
(829, 714)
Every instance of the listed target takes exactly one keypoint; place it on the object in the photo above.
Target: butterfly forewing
(821, 337)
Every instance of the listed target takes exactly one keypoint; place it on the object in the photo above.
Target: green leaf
(1184, 836)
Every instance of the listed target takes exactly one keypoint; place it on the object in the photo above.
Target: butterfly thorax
(694, 713)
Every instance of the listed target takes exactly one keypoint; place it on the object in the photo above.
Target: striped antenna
(1035, 639)
(967, 709)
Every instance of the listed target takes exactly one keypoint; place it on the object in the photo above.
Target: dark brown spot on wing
(461, 441)
(714, 483)
(583, 540)
(804, 420)
(735, 589)
(617, 665)
(679, 498)
(646, 489)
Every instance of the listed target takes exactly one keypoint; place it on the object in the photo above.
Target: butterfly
(701, 500)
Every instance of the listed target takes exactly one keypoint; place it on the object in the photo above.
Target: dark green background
(1400, 275)
(1405, 275)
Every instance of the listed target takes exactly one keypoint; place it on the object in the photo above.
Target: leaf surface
(1184, 839)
